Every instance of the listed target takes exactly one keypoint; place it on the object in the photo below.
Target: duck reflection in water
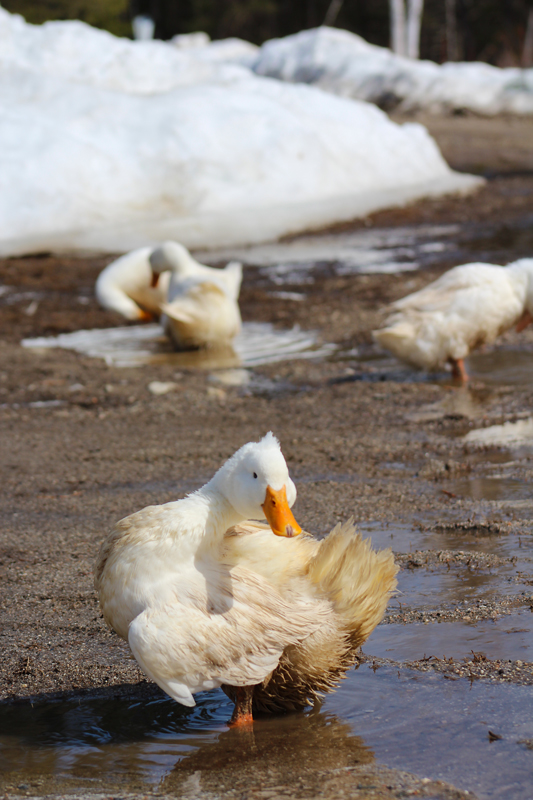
(311, 749)
(144, 739)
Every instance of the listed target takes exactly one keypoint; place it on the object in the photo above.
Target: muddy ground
(357, 444)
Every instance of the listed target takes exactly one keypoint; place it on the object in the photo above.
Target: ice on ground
(109, 145)
(345, 64)
(510, 434)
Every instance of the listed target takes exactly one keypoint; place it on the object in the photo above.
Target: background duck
(201, 309)
(129, 286)
(206, 601)
(468, 306)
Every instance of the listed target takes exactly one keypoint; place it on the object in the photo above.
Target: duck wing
(465, 281)
(233, 631)
(468, 306)
(203, 314)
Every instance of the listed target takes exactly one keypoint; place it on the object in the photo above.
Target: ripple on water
(135, 345)
(412, 721)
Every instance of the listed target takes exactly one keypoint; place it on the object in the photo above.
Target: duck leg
(525, 320)
(242, 713)
(459, 372)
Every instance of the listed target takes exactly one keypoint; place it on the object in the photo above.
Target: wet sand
(85, 443)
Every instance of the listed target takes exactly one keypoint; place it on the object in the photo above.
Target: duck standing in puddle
(467, 307)
(197, 304)
(201, 309)
(206, 599)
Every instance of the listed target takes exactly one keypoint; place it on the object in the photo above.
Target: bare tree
(333, 12)
(452, 39)
(397, 22)
(527, 51)
(405, 26)
(414, 23)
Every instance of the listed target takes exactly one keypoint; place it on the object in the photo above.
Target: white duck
(201, 309)
(129, 286)
(206, 601)
(468, 306)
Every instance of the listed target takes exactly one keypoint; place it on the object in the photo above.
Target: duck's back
(341, 571)
(467, 306)
(201, 314)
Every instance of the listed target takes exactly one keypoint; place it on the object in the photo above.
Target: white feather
(468, 306)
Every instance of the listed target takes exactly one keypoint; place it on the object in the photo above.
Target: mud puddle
(440, 585)
(509, 637)
(137, 345)
(417, 722)
(302, 259)
(441, 728)
(499, 489)
(501, 366)
(406, 539)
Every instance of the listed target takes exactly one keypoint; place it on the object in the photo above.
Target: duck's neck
(218, 515)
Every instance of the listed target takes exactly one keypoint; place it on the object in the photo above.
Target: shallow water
(413, 721)
(492, 488)
(438, 586)
(303, 259)
(506, 366)
(135, 345)
(508, 637)
(403, 538)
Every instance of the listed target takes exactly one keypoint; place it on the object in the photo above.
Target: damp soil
(85, 442)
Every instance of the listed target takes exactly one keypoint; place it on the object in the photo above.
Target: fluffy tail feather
(357, 579)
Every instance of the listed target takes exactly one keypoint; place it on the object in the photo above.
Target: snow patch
(343, 63)
(510, 434)
(109, 145)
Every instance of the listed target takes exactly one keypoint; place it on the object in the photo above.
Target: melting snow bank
(108, 145)
(345, 64)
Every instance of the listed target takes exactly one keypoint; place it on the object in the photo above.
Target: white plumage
(468, 306)
(126, 285)
(204, 600)
(201, 309)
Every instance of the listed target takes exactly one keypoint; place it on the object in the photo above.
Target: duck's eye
(255, 474)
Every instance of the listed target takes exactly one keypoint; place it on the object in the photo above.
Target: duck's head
(170, 255)
(256, 483)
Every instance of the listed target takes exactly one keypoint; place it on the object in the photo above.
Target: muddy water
(390, 716)
(303, 259)
(509, 638)
(416, 722)
(136, 345)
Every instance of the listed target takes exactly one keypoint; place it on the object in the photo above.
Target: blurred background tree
(112, 15)
(495, 31)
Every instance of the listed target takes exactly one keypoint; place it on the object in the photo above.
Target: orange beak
(279, 516)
